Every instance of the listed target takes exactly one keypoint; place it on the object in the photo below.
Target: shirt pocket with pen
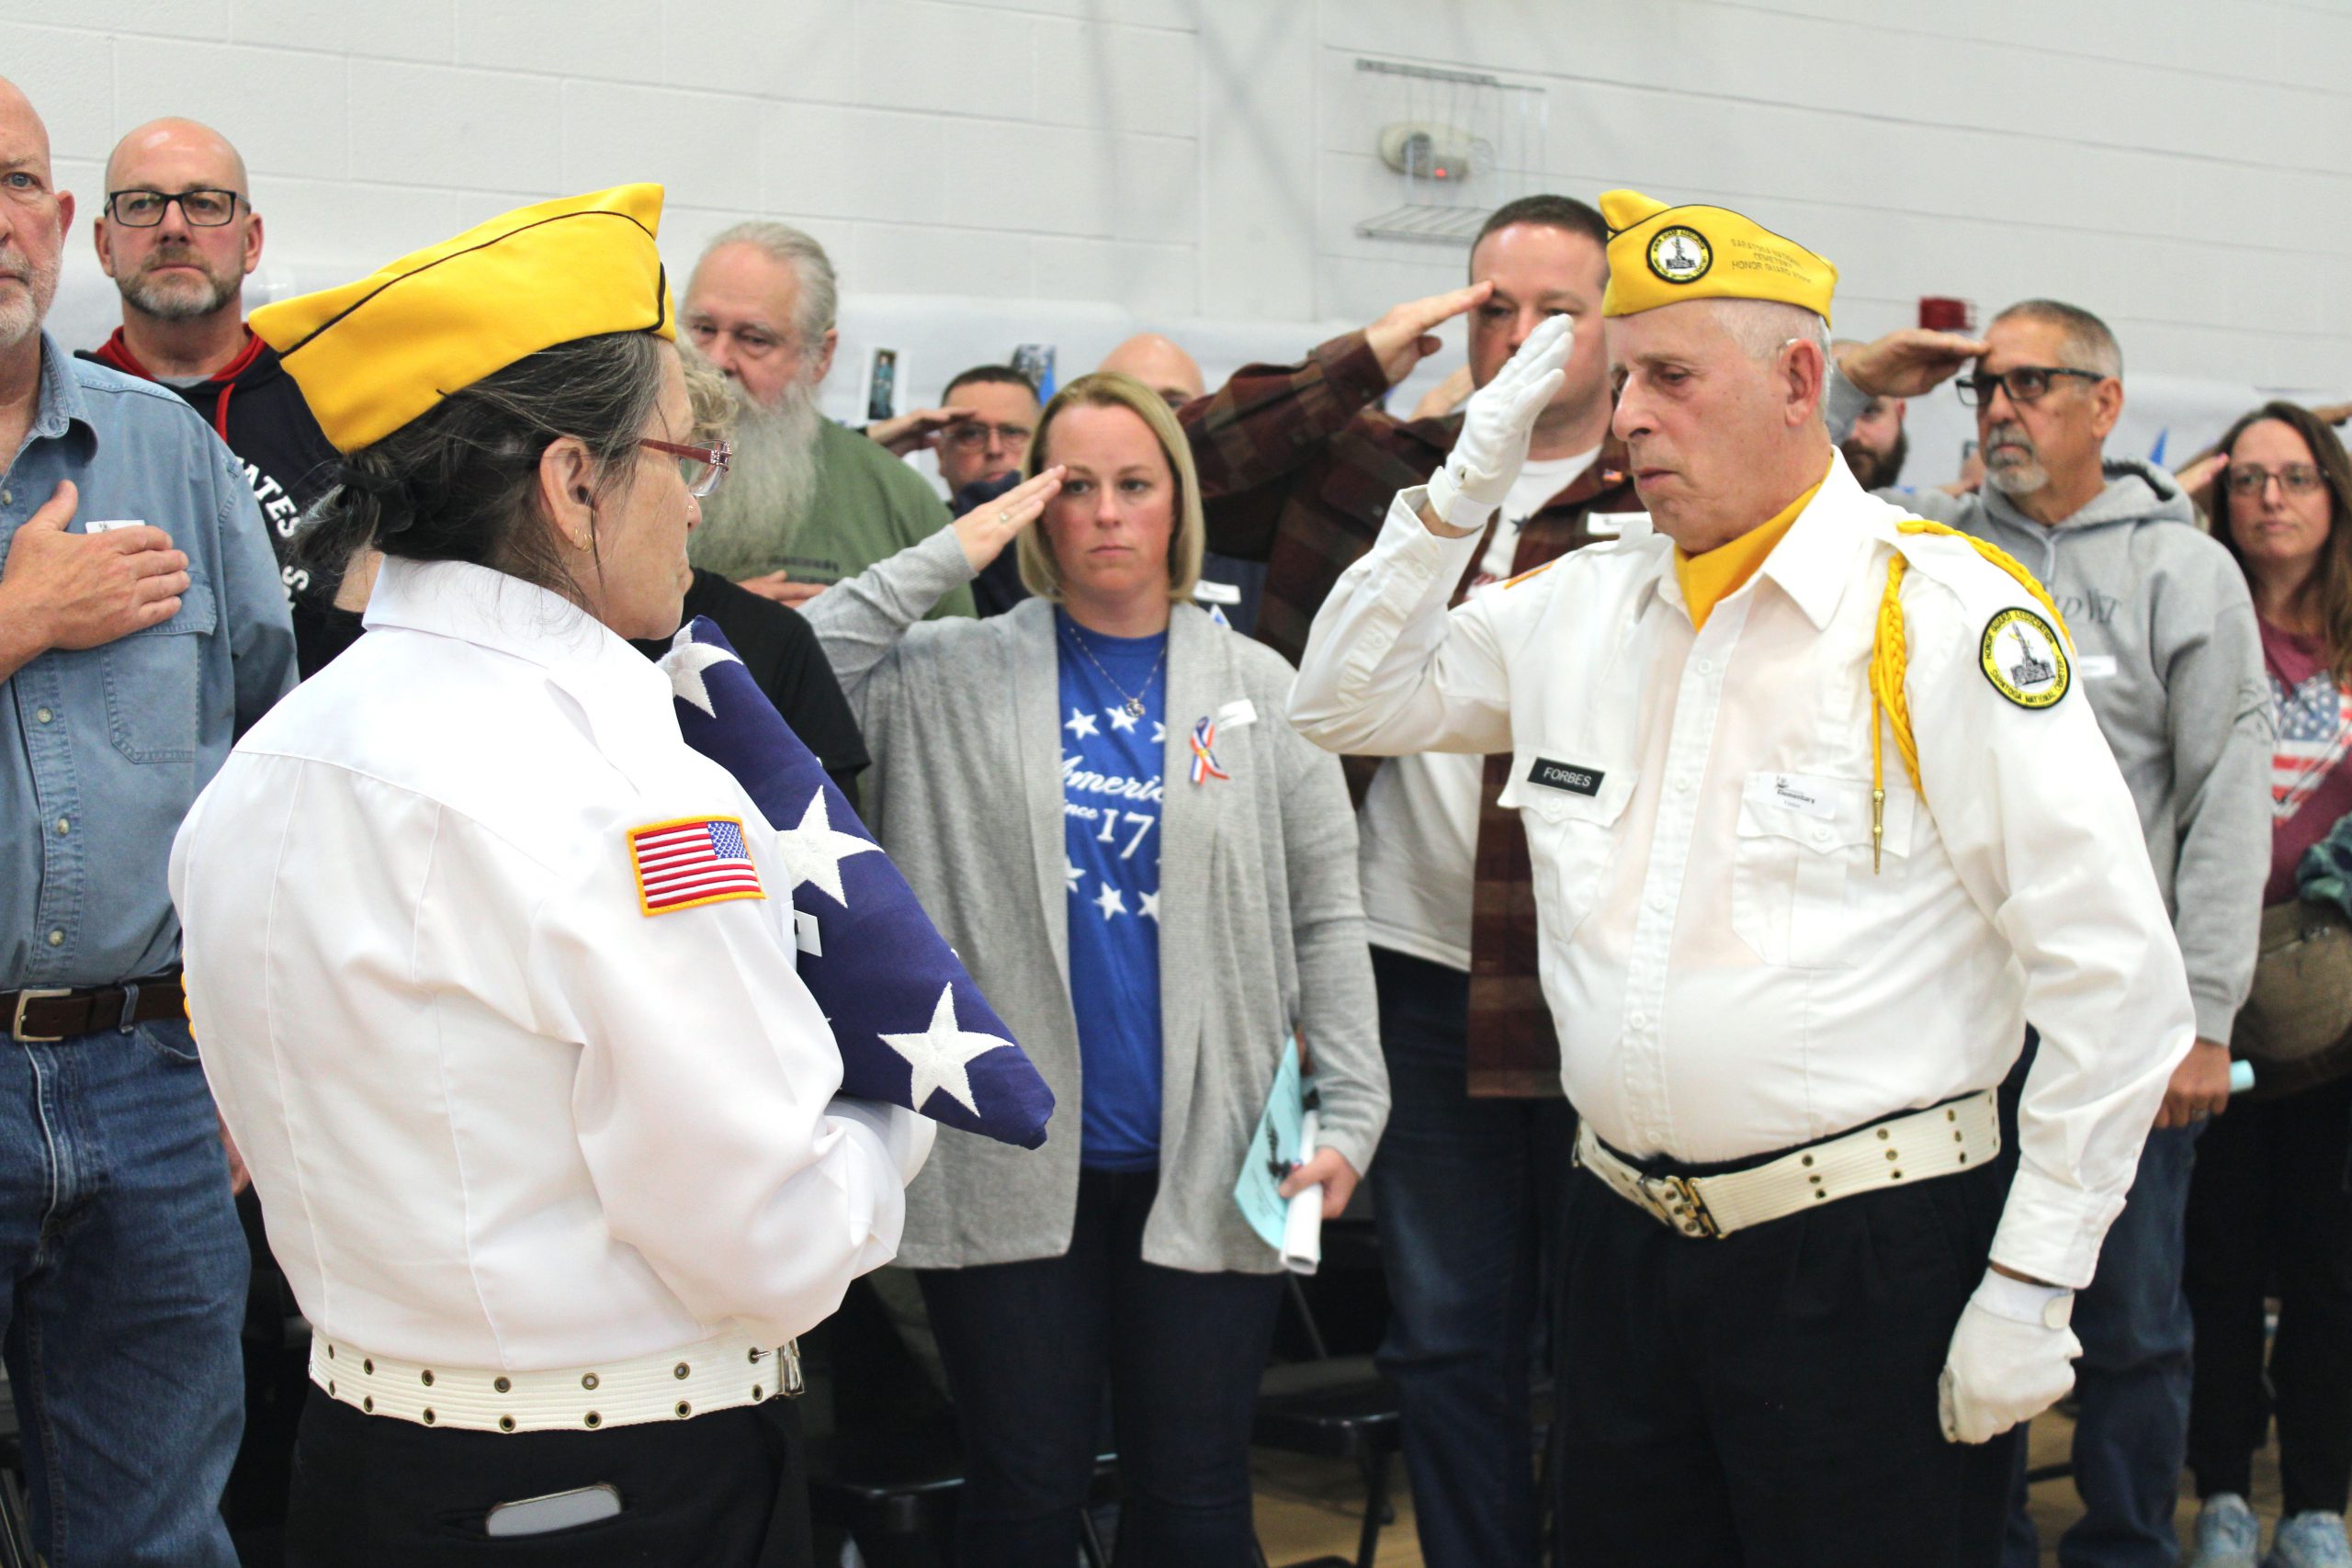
(154, 681)
(1572, 832)
(1801, 867)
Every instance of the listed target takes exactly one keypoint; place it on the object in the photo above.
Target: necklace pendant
(1134, 707)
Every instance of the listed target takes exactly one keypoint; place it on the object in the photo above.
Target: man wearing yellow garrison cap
(488, 964)
(1819, 824)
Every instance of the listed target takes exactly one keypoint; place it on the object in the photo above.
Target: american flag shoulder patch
(690, 861)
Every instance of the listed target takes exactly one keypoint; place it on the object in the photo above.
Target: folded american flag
(912, 1026)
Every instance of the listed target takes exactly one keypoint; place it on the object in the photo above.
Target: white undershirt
(1419, 825)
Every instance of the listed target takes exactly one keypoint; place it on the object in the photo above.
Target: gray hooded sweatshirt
(2167, 650)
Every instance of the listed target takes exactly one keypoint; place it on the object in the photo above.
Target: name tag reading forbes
(1565, 775)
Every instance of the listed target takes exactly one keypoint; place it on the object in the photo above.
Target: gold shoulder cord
(1888, 656)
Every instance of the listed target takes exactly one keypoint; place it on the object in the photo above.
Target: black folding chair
(1332, 1407)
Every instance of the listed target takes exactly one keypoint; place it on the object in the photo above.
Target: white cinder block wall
(2182, 167)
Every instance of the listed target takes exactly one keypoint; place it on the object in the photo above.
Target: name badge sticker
(105, 524)
(1238, 714)
(1207, 593)
(1794, 792)
(1567, 776)
(2094, 666)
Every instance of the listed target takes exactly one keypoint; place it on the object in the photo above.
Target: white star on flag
(1081, 723)
(1120, 718)
(1110, 903)
(937, 1057)
(687, 662)
(1071, 875)
(1150, 909)
(814, 853)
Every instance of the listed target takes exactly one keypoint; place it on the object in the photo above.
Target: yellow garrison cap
(374, 355)
(1660, 255)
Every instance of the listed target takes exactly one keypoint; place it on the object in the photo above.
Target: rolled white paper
(1302, 1222)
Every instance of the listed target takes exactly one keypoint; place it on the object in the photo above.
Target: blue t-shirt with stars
(1111, 794)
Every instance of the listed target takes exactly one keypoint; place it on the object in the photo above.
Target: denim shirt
(103, 750)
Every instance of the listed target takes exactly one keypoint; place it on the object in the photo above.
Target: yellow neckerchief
(1713, 576)
(1890, 653)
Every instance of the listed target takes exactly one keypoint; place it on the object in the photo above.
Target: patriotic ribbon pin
(1204, 760)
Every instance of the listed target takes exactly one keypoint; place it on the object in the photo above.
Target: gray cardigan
(1262, 928)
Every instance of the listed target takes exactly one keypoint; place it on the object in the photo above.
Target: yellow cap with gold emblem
(374, 355)
(1660, 254)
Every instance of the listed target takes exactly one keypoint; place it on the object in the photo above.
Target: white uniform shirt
(1727, 975)
(499, 1117)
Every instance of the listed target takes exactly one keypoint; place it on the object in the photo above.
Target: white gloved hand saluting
(2011, 1358)
(1497, 423)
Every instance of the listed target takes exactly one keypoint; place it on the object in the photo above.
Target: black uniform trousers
(2269, 1214)
(1768, 1400)
(725, 1490)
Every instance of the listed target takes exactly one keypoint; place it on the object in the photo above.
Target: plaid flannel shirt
(1298, 466)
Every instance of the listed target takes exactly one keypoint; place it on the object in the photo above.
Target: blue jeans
(1470, 1195)
(2131, 1384)
(128, 1285)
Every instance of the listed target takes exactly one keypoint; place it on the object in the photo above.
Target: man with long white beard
(806, 503)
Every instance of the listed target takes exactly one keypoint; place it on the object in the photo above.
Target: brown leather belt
(39, 1016)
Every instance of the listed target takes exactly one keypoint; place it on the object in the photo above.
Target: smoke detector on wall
(1422, 149)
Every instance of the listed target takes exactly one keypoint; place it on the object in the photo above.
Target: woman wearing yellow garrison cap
(491, 992)
(1817, 824)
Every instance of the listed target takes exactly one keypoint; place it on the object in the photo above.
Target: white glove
(905, 1136)
(2011, 1358)
(1496, 425)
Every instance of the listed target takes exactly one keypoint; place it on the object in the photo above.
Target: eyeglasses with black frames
(202, 208)
(973, 435)
(701, 467)
(2024, 384)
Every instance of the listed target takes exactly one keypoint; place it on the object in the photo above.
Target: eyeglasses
(2024, 384)
(971, 435)
(202, 209)
(701, 467)
(2295, 479)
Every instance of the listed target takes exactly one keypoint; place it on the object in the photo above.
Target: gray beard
(177, 300)
(2013, 475)
(21, 317)
(748, 525)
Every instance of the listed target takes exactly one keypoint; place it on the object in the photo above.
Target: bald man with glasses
(179, 236)
(2172, 662)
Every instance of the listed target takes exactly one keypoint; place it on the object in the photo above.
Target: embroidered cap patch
(695, 860)
(2025, 660)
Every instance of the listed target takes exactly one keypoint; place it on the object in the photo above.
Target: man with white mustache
(806, 503)
(2172, 662)
(142, 628)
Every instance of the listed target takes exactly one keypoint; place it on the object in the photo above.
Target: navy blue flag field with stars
(912, 1026)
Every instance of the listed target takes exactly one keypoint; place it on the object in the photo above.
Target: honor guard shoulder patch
(2025, 659)
(693, 861)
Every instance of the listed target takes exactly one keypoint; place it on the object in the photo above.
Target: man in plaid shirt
(1298, 466)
